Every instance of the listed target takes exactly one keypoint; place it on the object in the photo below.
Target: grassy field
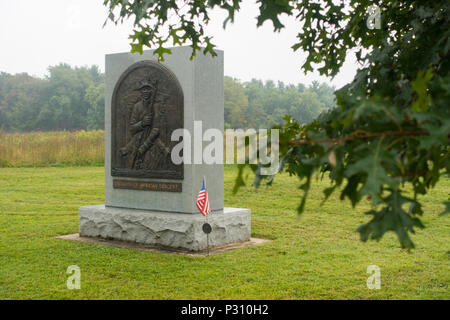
(317, 256)
(51, 148)
(55, 148)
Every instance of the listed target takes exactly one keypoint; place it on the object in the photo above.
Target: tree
(308, 107)
(57, 102)
(66, 91)
(20, 101)
(390, 130)
(95, 96)
(236, 104)
(257, 105)
(67, 105)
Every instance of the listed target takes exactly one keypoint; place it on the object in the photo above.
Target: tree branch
(361, 136)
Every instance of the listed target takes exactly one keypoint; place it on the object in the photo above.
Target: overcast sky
(36, 34)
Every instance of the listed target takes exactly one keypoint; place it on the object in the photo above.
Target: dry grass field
(51, 148)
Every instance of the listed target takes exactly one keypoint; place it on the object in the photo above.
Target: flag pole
(204, 179)
(207, 244)
(206, 217)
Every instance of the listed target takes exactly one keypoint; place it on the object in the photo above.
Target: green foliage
(95, 96)
(391, 127)
(21, 97)
(73, 98)
(67, 99)
(235, 104)
(256, 104)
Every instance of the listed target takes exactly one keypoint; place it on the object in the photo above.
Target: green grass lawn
(316, 256)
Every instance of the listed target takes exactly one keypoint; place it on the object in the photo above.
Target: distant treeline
(258, 104)
(72, 98)
(67, 99)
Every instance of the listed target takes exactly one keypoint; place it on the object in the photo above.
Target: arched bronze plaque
(147, 106)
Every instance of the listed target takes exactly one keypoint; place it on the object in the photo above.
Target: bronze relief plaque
(147, 106)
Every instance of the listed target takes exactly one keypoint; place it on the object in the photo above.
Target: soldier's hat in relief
(147, 83)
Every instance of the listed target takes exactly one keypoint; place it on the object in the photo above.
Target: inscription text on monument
(147, 185)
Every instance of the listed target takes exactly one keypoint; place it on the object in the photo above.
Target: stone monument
(148, 198)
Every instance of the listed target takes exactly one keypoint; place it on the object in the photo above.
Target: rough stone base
(166, 229)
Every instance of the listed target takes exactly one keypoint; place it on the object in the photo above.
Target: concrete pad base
(165, 229)
(149, 248)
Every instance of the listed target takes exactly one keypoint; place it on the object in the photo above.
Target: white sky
(36, 34)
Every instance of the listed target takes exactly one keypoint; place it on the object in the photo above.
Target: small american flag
(202, 200)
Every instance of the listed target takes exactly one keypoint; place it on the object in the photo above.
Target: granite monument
(148, 198)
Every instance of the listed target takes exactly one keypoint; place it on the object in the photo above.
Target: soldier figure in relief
(144, 130)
